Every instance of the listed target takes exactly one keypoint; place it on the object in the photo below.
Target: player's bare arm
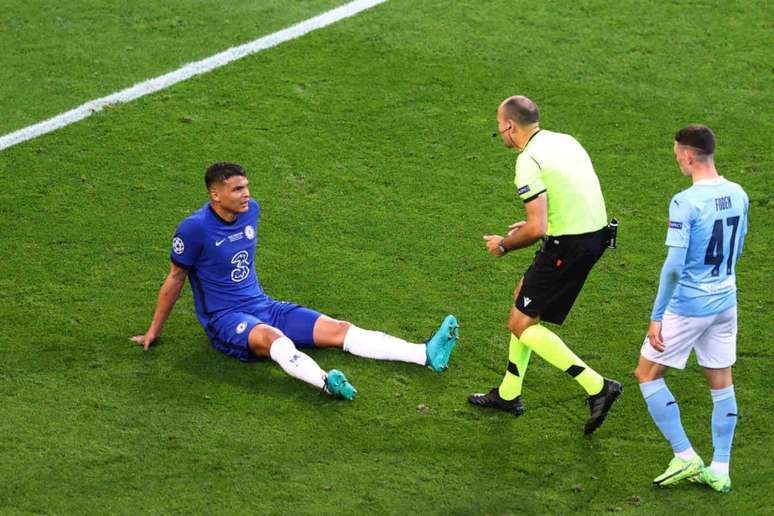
(168, 294)
(670, 275)
(523, 233)
(516, 226)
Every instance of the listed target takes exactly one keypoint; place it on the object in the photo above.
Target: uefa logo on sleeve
(241, 327)
(177, 245)
(249, 232)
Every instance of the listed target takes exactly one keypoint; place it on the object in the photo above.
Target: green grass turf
(63, 54)
(369, 148)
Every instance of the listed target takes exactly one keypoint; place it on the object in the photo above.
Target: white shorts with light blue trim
(713, 337)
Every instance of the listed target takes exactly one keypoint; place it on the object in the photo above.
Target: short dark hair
(521, 109)
(699, 137)
(219, 172)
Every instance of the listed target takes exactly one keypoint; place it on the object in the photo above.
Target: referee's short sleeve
(528, 181)
(679, 227)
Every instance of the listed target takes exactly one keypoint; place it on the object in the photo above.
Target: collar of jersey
(531, 138)
(221, 219)
(715, 181)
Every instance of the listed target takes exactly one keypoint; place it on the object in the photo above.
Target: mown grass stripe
(186, 72)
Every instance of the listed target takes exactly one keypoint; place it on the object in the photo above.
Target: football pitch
(369, 145)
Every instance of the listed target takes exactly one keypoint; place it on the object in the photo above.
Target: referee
(565, 208)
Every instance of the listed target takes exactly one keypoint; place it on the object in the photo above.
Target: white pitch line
(186, 72)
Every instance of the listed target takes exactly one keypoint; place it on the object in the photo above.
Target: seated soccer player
(215, 248)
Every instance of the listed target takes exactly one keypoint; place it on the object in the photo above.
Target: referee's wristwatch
(501, 247)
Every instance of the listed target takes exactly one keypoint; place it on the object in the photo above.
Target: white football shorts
(713, 337)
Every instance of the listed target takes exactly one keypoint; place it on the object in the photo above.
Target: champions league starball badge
(177, 245)
(249, 232)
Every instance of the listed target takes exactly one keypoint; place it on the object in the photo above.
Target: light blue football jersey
(710, 219)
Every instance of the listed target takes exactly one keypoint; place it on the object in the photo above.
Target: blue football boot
(336, 384)
(441, 344)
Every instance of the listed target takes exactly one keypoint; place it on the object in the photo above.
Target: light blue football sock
(724, 418)
(665, 413)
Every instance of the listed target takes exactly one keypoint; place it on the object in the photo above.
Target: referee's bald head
(521, 110)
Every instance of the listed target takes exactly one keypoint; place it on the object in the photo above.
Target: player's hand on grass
(654, 336)
(513, 228)
(144, 340)
(492, 243)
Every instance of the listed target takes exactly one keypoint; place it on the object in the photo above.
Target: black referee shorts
(556, 276)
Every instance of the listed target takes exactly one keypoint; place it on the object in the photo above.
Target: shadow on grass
(262, 377)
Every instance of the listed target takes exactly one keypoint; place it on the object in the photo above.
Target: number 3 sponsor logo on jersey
(242, 270)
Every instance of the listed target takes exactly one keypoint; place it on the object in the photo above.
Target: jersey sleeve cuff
(532, 198)
(179, 263)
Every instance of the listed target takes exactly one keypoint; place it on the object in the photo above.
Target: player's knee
(329, 332)
(517, 326)
(267, 332)
(341, 328)
(262, 337)
(513, 327)
(644, 374)
(518, 322)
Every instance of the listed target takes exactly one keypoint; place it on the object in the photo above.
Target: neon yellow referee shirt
(558, 165)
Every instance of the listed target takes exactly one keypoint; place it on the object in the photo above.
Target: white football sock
(380, 346)
(295, 363)
(719, 468)
(686, 454)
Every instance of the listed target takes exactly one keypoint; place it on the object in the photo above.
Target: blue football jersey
(710, 219)
(219, 256)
